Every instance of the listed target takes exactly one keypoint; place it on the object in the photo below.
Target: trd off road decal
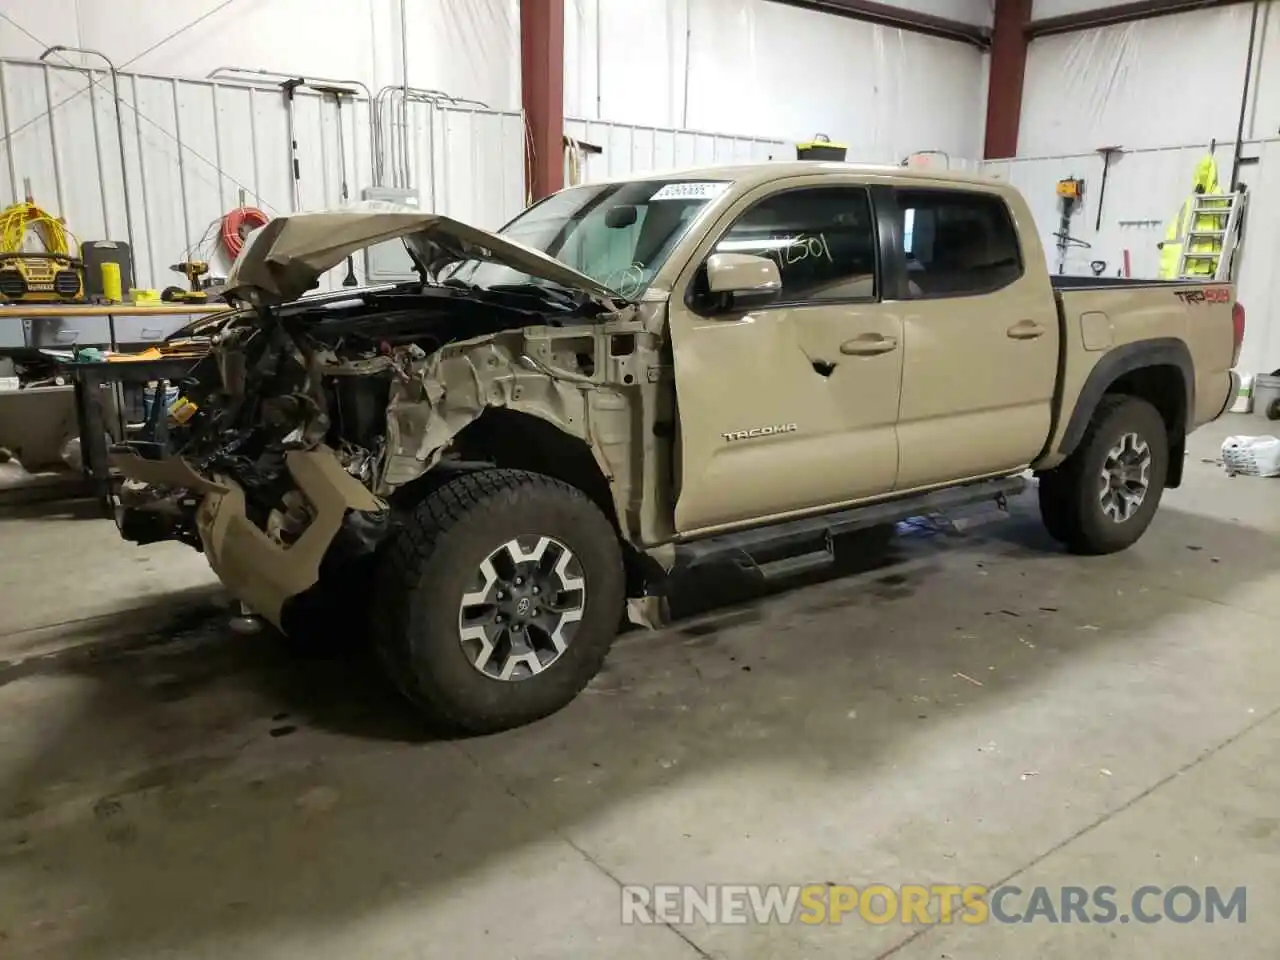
(1207, 295)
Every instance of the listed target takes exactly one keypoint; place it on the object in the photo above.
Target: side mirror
(743, 278)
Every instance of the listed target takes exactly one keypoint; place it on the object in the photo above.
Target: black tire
(428, 566)
(1070, 501)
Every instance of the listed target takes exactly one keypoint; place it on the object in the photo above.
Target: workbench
(68, 325)
(27, 416)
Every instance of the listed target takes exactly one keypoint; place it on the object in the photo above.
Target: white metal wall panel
(192, 146)
(630, 150)
(1145, 189)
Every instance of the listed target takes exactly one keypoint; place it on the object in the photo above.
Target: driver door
(788, 406)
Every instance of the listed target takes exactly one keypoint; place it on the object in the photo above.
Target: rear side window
(822, 240)
(957, 244)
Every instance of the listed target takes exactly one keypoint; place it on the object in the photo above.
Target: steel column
(542, 94)
(1008, 68)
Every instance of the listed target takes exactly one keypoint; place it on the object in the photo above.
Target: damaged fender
(440, 396)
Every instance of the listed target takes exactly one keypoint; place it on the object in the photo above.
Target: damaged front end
(315, 415)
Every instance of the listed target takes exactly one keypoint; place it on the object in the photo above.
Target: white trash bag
(1251, 456)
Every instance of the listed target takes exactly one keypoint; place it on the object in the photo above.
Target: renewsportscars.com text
(911, 904)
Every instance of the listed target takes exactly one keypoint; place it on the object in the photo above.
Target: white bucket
(1266, 397)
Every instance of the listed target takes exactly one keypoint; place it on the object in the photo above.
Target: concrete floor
(168, 789)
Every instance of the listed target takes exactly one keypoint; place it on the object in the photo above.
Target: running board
(796, 546)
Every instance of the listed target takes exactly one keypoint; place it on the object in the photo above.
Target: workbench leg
(82, 423)
(93, 443)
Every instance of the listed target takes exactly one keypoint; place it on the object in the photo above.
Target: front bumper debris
(257, 570)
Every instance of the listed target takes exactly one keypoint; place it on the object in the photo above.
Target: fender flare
(1160, 352)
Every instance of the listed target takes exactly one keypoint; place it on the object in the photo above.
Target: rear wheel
(498, 599)
(1103, 497)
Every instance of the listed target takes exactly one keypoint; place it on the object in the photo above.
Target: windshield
(618, 234)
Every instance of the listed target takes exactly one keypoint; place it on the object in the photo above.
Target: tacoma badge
(760, 432)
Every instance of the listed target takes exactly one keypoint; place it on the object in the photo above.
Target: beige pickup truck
(638, 375)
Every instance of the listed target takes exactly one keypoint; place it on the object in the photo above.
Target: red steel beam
(1008, 68)
(542, 94)
(1121, 13)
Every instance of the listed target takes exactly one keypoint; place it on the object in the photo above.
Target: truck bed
(1088, 283)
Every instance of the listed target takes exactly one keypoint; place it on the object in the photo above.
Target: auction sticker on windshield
(691, 190)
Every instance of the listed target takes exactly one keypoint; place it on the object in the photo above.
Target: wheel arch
(519, 440)
(1159, 371)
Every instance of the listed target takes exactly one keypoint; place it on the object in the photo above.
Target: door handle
(868, 345)
(1025, 330)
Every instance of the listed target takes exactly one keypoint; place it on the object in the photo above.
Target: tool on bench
(99, 254)
(48, 275)
(193, 270)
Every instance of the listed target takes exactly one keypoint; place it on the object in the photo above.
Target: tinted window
(957, 244)
(822, 241)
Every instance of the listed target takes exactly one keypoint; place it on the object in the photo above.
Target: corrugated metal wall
(630, 149)
(192, 146)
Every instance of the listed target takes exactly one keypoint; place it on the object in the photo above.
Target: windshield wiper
(548, 290)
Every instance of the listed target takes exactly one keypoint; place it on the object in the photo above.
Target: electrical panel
(389, 262)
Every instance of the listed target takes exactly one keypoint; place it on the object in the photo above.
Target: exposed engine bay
(387, 381)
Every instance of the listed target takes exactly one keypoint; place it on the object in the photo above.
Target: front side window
(822, 239)
(618, 234)
(957, 244)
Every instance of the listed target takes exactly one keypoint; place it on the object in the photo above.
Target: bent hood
(284, 259)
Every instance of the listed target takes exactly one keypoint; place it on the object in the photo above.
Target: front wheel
(1103, 497)
(498, 599)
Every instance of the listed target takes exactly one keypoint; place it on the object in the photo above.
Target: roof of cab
(751, 174)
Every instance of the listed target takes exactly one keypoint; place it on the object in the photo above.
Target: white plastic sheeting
(191, 147)
(977, 12)
(1144, 191)
(636, 150)
(470, 48)
(1168, 80)
(1044, 9)
(755, 67)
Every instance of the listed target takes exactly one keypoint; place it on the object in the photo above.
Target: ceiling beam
(887, 15)
(1121, 13)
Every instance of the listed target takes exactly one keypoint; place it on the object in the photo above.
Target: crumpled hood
(283, 260)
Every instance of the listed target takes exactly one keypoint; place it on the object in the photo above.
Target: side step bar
(799, 546)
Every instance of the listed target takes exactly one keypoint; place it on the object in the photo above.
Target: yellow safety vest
(1175, 238)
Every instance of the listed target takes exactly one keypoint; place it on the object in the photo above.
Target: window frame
(897, 254)
(882, 240)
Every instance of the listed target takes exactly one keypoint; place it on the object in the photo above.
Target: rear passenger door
(981, 339)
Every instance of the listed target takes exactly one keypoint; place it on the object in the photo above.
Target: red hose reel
(237, 225)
